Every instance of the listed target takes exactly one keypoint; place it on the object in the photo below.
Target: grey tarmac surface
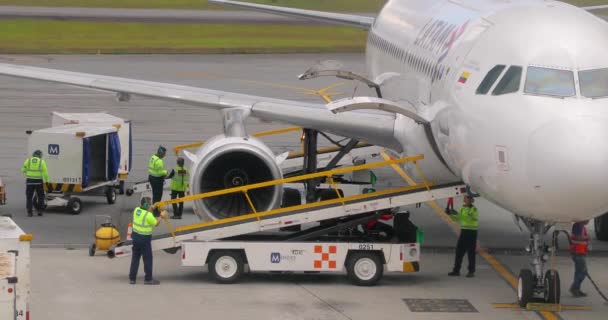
(68, 284)
(148, 15)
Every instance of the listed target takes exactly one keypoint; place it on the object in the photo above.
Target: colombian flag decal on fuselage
(464, 77)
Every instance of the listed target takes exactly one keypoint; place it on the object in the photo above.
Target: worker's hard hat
(37, 153)
(161, 150)
(180, 161)
(146, 202)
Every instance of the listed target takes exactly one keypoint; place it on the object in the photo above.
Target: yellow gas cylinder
(106, 236)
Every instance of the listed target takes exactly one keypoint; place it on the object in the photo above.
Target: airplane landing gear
(536, 282)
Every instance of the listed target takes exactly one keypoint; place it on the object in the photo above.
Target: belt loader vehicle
(14, 271)
(229, 246)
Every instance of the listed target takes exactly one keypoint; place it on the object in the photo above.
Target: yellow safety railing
(181, 147)
(325, 174)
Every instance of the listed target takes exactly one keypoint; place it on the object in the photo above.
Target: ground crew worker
(143, 224)
(157, 173)
(467, 242)
(179, 184)
(579, 246)
(36, 174)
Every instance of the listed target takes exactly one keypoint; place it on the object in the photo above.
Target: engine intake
(228, 162)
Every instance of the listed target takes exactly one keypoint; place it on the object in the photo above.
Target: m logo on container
(275, 257)
(53, 149)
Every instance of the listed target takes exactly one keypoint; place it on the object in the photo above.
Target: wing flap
(336, 18)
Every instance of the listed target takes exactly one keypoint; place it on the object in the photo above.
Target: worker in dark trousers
(36, 175)
(579, 246)
(156, 169)
(179, 184)
(144, 223)
(467, 242)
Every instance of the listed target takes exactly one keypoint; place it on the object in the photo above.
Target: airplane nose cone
(567, 167)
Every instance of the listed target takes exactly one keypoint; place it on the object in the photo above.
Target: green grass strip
(326, 5)
(49, 36)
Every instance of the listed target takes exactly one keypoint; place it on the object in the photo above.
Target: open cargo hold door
(113, 156)
(101, 158)
(7, 285)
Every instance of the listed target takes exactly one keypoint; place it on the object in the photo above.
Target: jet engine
(234, 161)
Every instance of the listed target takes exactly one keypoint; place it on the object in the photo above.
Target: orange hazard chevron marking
(325, 257)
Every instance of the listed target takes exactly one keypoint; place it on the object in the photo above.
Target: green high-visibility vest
(35, 168)
(467, 217)
(143, 221)
(179, 181)
(156, 167)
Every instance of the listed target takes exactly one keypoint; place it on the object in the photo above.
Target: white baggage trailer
(14, 271)
(86, 154)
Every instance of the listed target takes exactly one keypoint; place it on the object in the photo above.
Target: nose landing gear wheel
(552, 287)
(525, 287)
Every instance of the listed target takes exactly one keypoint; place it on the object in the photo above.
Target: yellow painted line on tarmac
(496, 265)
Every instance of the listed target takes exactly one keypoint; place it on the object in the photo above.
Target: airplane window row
(594, 83)
(545, 82)
(415, 61)
(550, 82)
(509, 82)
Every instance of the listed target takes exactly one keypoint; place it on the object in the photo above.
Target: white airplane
(509, 96)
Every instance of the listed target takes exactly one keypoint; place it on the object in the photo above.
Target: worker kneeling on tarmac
(144, 223)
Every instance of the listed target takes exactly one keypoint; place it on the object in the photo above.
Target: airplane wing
(374, 127)
(336, 18)
(592, 8)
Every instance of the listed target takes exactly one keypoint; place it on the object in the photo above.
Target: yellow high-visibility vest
(35, 168)
(143, 222)
(179, 181)
(156, 167)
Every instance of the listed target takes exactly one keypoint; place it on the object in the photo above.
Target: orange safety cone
(129, 231)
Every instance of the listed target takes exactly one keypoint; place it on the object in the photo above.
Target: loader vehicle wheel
(74, 206)
(110, 195)
(364, 268)
(226, 266)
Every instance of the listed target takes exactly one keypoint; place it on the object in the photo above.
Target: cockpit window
(550, 82)
(489, 79)
(509, 82)
(594, 83)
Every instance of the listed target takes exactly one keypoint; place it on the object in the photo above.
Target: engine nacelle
(232, 161)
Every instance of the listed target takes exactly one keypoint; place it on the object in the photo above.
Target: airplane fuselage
(514, 92)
